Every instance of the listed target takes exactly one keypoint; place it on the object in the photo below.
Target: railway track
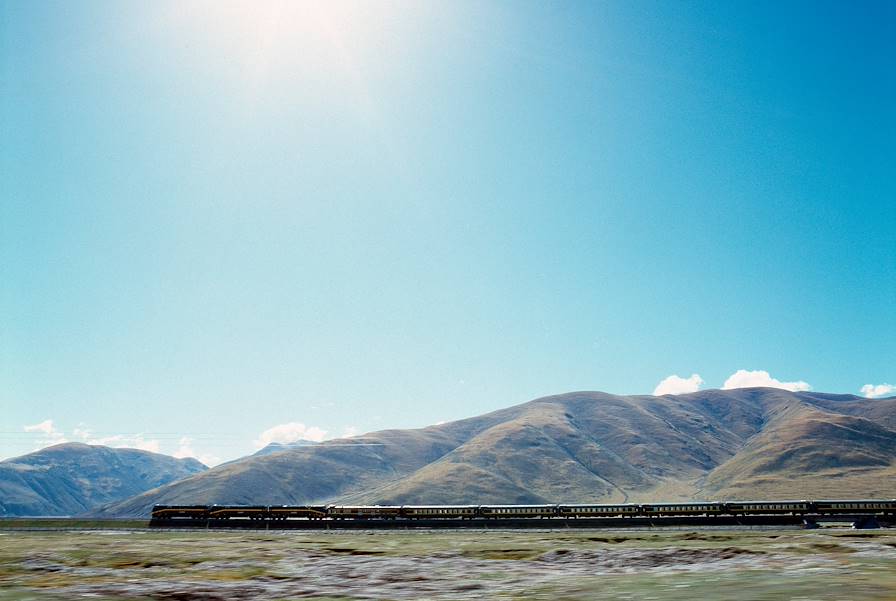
(806, 521)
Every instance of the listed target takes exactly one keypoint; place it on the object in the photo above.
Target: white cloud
(45, 427)
(349, 431)
(49, 434)
(290, 432)
(872, 391)
(677, 385)
(185, 449)
(121, 441)
(750, 379)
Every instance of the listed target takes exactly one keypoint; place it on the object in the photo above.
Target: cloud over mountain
(288, 433)
(872, 391)
(675, 384)
(761, 379)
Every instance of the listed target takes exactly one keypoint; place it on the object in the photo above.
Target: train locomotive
(273, 513)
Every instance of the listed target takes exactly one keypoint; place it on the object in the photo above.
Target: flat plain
(712, 564)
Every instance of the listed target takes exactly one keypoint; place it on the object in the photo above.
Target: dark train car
(517, 511)
(364, 512)
(592, 511)
(288, 512)
(696, 508)
(769, 507)
(242, 512)
(439, 512)
(848, 506)
(179, 512)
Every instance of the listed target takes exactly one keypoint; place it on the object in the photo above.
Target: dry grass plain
(827, 564)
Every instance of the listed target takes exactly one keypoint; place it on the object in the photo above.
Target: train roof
(776, 501)
(598, 504)
(365, 506)
(520, 506)
(855, 501)
(441, 506)
(685, 503)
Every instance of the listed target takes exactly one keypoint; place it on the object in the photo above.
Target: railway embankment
(754, 521)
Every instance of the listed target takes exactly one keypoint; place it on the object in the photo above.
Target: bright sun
(315, 42)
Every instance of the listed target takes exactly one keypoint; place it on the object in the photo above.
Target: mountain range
(580, 447)
(72, 478)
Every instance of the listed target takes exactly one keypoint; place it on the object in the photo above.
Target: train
(273, 513)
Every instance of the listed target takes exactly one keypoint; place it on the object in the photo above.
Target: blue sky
(221, 218)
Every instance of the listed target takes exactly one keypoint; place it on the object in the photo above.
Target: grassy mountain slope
(72, 478)
(827, 453)
(581, 447)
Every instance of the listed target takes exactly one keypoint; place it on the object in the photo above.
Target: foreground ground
(823, 564)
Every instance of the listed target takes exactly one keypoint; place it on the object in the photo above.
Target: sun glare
(306, 35)
(267, 48)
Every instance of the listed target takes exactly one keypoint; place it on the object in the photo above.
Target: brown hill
(582, 447)
(72, 478)
(827, 453)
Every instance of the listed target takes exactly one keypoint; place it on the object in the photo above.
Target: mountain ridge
(72, 478)
(580, 447)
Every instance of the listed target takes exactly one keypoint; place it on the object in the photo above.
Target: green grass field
(825, 564)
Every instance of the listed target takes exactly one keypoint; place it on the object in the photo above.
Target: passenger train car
(194, 513)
